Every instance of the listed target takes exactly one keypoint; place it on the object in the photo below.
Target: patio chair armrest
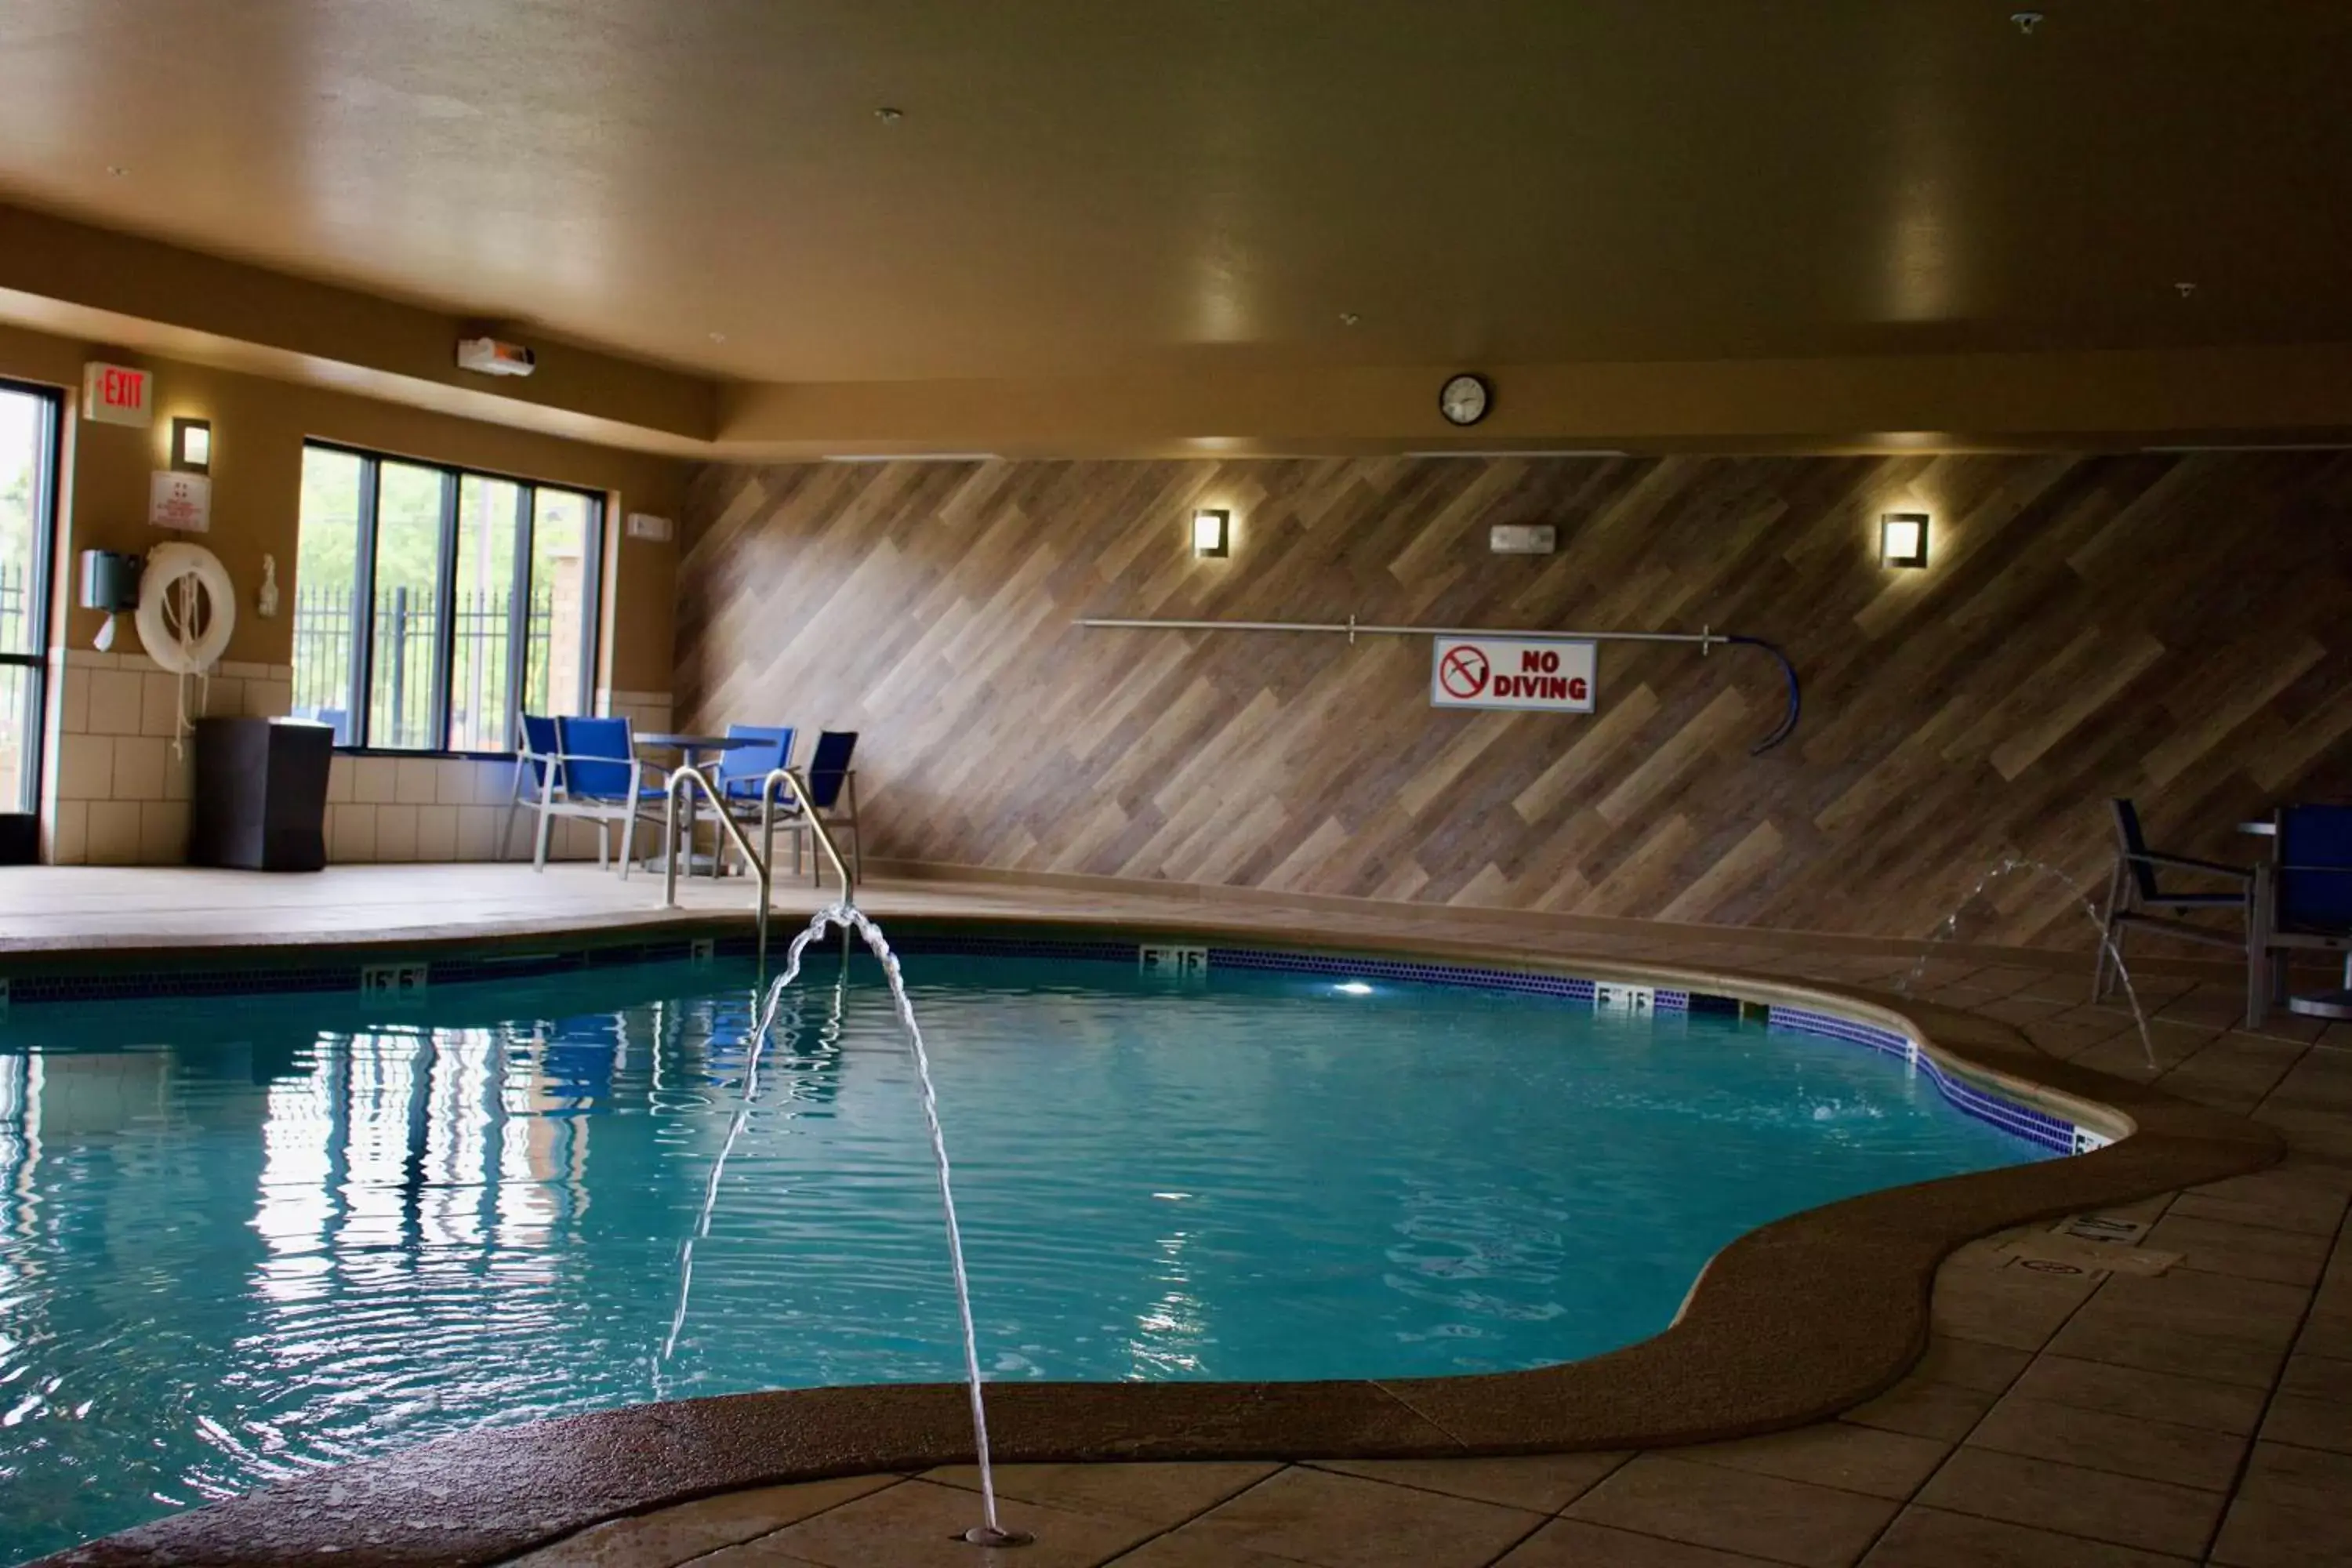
(630, 762)
(2188, 863)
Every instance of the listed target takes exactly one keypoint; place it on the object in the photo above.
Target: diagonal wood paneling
(2176, 628)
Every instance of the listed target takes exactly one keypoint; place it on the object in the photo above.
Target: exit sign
(116, 395)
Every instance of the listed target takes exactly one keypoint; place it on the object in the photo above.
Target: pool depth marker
(1352, 629)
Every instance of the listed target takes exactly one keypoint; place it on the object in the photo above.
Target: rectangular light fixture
(192, 445)
(1903, 539)
(1211, 532)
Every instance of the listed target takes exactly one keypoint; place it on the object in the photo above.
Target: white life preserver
(187, 607)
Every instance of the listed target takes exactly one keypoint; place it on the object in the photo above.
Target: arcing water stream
(2011, 865)
(989, 1532)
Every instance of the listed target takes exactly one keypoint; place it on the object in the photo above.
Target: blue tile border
(2039, 1127)
(1405, 970)
(342, 974)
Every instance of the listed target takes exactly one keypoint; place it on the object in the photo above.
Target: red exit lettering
(124, 388)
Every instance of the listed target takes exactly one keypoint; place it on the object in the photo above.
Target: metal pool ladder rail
(761, 860)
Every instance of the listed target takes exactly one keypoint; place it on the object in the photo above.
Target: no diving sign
(1545, 676)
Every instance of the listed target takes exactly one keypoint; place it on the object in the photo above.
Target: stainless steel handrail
(1706, 638)
(1352, 629)
(762, 861)
(808, 813)
(759, 863)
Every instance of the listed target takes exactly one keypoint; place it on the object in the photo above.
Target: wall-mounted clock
(1464, 398)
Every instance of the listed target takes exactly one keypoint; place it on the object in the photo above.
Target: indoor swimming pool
(244, 1237)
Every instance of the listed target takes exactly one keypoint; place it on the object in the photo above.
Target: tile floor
(2200, 1415)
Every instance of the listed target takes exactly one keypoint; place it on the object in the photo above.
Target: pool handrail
(799, 786)
(671, 856)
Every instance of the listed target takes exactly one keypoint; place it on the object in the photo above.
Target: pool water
(241, 1237)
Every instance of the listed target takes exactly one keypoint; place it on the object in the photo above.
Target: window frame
(49, 470)
(362, 673)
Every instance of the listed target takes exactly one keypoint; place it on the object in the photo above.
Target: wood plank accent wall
(2175, 627)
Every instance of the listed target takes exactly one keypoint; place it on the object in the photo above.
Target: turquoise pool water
(244, 1237)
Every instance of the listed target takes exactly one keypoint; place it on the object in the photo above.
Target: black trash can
(260, 795)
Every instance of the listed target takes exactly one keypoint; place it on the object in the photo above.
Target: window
(28, 460)
(433, 604)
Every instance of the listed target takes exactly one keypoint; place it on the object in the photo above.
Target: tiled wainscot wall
(121, 795)
(455, 808)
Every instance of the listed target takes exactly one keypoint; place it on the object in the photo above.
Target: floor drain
(981, 1535)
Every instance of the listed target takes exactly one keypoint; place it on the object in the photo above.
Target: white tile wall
(114, 700)
(119, 795)
(119, 787)
(70, 833)
(416, 780)
(114, 833)
(395, 833)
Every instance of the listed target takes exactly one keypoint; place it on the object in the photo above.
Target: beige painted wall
(258, 427)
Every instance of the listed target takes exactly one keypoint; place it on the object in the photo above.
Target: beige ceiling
(1091, 187)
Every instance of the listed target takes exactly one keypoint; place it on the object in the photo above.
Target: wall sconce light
(1211, 532)
(192, 445)
(1903, 539)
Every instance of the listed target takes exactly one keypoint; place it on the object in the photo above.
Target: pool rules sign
(1549, 675)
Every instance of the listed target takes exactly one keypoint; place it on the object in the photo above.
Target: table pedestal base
(2322, 1004)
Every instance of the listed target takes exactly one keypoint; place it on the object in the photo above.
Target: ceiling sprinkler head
(889, 116)
(2026, 21)
(2185, 289)
(1348, 318)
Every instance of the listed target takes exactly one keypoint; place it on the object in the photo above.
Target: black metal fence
(19, 718)
(407, 631)
(16, 610)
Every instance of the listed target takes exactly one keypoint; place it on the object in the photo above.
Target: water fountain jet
(2007, 867)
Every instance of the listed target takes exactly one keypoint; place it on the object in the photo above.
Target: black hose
(1796, 701)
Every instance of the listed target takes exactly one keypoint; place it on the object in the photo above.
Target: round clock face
(1464, 399)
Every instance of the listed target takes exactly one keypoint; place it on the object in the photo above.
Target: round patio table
(688, 746)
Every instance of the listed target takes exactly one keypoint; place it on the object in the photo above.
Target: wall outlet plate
(645, 525)
(1522, 539)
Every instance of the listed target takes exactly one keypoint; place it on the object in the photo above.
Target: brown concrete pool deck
(2058, 1413)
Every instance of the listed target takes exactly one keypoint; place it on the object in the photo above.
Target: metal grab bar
(743, 845)
(1706, 638)
(808, 814)
(761, 861)
(1352, 629)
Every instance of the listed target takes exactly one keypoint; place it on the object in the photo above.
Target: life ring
(187, 607)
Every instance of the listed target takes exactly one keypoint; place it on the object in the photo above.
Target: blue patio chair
(740, 770)
(2304, 904)
(2137, 900)
(738, 774)
(538, 782)
(833, 790)
(598, 778)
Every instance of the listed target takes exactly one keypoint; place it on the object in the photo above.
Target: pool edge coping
(1746, 1354)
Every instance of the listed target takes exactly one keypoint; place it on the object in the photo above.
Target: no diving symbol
(1463, 672)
